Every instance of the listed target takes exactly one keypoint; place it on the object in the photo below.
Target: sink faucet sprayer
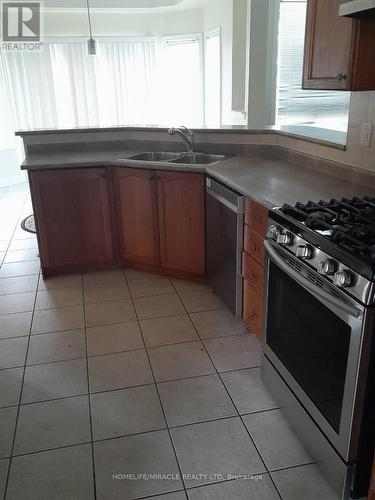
(187, 136)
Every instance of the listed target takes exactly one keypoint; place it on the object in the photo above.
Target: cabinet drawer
(254, 245)
(252, 310)
(256, 216)
(253, 273)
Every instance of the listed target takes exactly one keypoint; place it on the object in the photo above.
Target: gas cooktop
(336, 238)
(350, 224)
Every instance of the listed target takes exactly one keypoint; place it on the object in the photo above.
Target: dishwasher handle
(225, 196)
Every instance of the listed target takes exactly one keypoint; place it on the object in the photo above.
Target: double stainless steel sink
(179, 158)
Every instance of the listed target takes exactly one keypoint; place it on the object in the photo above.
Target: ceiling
(124, 5)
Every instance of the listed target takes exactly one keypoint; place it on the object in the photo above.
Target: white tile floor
(123, 372)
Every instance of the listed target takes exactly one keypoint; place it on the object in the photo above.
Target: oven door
(314, 337)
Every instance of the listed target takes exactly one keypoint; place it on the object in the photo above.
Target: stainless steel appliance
(318, 343)
(224, 241)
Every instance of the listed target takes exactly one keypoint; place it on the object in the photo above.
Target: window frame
(206, 35)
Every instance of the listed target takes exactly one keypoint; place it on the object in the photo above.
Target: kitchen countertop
(269, 182)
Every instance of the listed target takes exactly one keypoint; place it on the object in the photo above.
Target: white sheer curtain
(63, 87)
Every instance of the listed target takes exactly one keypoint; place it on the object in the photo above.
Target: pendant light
(91, 43)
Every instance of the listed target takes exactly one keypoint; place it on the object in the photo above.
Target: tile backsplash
(362, 109)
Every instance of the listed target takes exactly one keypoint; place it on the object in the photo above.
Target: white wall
(262, 62)
(220, 13)
(123, 24)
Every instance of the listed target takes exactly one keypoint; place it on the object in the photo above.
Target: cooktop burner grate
(349, 224)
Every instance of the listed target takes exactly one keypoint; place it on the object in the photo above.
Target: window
(181, 81)
(131, 81)
(296, 106)
(212, 82)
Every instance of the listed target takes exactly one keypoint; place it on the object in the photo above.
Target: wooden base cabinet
(137, 215)
(161, 220)
(181, 202)
(73, 216)
(100, 218)
(256, 217)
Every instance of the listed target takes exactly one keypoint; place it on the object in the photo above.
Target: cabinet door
(252, 309)
(73, 216)
(137, 215)
(329, 46)
(181, 198)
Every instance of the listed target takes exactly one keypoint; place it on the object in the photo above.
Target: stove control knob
(273, 232)
(305, 252)
(327, 267)
(343, 279)
(285, 239)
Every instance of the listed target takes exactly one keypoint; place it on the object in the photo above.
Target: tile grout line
(124, 388)
(88, 389)
(19, 401)
(231, 399)
(155, 383)
(73, 445)
(157, 391)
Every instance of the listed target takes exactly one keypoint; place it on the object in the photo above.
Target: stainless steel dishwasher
(224, 234)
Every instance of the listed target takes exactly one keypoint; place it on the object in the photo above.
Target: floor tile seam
(19, 402)
(159, 397)
(235, 406)
(88, 389)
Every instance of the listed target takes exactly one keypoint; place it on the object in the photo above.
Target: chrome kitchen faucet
(187, 136)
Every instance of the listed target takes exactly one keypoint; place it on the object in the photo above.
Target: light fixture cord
(89, 17)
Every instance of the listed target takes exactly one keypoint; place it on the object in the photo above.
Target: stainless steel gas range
(319, 328)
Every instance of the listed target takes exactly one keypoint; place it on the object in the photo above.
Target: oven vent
(315, 279)
(295, 264)
(292, 262)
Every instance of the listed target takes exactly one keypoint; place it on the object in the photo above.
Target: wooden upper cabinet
(73, 216)
(181, 200)
(137, 215)
(338, 50)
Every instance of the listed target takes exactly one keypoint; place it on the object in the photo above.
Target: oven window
(310, 341)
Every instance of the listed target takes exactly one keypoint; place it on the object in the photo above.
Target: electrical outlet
(366, 134)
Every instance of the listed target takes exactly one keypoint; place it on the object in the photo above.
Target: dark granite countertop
(270, 182)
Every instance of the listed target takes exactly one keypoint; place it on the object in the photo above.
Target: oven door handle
(318, 292)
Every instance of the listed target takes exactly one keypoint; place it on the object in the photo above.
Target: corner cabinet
(73, 216)
(339, 51)
(160, 220)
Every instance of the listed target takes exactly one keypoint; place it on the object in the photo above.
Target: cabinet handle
(253, 315)
(340, 77)
(251, 277)
(253, 248)
(257, 219)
